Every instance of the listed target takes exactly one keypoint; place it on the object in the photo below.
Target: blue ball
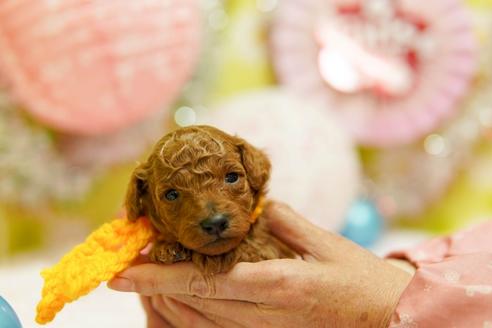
(8, 318)
(363, 224)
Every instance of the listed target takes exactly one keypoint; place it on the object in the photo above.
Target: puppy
(203, 189)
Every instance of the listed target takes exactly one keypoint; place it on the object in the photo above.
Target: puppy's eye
(171, 195)
(231, 177)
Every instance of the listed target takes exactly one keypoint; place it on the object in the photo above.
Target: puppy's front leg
(167, 253)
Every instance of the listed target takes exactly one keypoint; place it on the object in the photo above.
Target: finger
(182, 310)
(164, 311)
(226, 323)
(300, 234)
(228, 313)
(246, 281)
(180, 315)
(154, 319)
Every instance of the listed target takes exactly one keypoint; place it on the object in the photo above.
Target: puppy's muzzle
(215, 224)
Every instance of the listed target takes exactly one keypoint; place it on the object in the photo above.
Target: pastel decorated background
(76, 115)
(377, 114)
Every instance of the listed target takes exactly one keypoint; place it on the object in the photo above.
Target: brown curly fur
(194, 161)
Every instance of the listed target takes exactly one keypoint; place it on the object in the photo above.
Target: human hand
(336, 284)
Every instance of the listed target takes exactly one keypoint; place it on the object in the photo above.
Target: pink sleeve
(452, 286)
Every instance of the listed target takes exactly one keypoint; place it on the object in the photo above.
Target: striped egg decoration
(90, 67)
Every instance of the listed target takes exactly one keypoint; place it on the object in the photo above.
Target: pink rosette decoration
(95, 66)
(314, 164)
(392, 70)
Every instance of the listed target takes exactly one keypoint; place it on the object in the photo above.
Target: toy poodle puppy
(203, 190)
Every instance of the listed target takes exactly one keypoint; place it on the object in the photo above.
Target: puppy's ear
(137, 188)
(256, 164)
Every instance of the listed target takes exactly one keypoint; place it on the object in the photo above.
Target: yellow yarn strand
(106, 252)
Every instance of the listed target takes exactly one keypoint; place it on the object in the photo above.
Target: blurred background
(377, 116)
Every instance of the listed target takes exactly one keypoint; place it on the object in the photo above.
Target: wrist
(402, 264)
(399, 279)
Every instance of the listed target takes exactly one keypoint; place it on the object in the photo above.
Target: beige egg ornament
(315, 166)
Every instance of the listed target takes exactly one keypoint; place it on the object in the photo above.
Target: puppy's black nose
(216, 224)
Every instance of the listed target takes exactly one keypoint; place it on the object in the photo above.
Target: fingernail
(147, 249)
(121, 284)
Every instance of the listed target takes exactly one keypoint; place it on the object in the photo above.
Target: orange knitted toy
(107, 251)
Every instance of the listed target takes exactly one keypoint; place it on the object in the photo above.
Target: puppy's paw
(168, 253)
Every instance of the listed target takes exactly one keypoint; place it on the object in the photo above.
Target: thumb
(299, 234)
